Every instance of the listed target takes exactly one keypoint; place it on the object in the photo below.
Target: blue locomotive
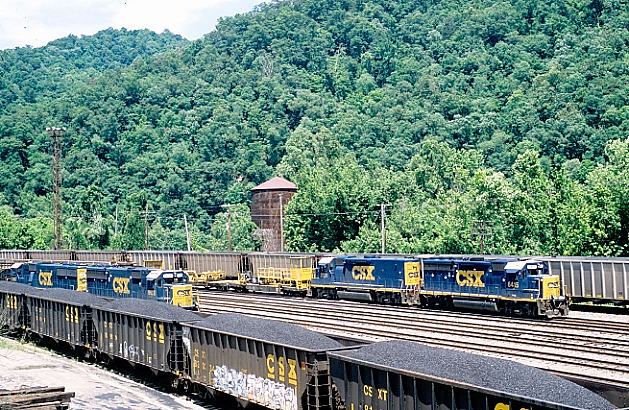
(169, 286)
(507, 286)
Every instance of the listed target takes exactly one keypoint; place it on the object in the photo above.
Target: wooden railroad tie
(36, 398)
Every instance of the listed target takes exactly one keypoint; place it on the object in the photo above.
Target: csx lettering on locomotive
(45, 278)
(121, 285)
(363, 273)
(470, 278)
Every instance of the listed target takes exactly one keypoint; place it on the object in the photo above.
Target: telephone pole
(383, 231)
(146, 226)
(185, 222)
(228, 225)
(56, 133)
(482, 232)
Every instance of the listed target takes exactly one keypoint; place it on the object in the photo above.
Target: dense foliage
(498, 123)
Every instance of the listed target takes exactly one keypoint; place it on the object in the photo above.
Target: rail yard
(590, 349)
(314, 205)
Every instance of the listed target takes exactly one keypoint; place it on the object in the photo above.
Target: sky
(37, 22)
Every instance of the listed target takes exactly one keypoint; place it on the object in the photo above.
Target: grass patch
(12, 344)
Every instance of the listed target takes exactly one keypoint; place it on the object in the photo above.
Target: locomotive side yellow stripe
(432, 293)
(359, 288)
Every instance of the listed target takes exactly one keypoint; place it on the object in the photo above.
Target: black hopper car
(279, 365)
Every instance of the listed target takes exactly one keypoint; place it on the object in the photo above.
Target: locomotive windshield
(526, 267)
(171, 277)
(166, 277)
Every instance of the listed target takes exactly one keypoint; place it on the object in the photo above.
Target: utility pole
(281, 222)
(185, 222)
(228, 225)
(383, 231)
(116, 222)
(481, 231)
(146, 226)
(56, 133)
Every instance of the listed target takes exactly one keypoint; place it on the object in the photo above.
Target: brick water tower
(267, 211)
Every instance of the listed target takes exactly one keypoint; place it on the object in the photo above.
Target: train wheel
(446, 302)
(505, 308)
(423, 301)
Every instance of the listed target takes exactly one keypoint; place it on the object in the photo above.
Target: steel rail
(489, 322)
(603, 363)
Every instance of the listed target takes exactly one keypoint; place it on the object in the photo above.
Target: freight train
(506, 286)
(511, 287)
(171, 286)
(278, 365)
(584, 279)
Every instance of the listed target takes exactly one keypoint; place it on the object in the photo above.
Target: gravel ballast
(153, 309)
(482, 371)
(271, 331)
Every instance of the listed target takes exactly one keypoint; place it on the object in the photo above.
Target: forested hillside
(502, 120)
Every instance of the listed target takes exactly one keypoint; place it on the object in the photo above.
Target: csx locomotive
(513, 287)
(169, 286)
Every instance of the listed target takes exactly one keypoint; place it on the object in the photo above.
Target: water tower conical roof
(276, 184)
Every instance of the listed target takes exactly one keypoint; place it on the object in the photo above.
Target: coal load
(153, 309)
(74, 297)
(15, 287)
(271, 331)
(482, 371)
(22, 288)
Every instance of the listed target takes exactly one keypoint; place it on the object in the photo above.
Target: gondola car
(171, 286)
(507, 286)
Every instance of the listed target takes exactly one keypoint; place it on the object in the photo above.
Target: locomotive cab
(325, 267)
(171, 286)
(533, 281)
(11, 273)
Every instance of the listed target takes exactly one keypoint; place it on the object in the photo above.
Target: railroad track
(588, 351)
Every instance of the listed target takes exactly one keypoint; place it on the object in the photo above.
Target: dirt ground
(25, 365)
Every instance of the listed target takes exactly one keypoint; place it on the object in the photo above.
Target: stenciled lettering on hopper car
(276, 369)
(72, 314)
(370, 391)
(154, 332)
(503, 406)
